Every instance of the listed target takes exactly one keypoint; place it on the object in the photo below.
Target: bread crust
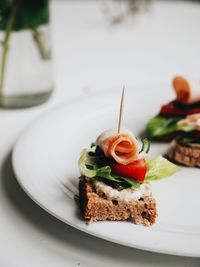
(165, 138)
(96, 208)
(188, 155)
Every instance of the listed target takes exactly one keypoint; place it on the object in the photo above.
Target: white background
(90, 55)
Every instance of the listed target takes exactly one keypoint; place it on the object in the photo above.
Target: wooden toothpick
(121, 111)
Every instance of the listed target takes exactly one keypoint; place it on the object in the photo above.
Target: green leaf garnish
(87, 160)
(159, 126)
(157, 168)
(189, 140)
(146, 144)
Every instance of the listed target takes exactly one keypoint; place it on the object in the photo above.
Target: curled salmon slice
(186, 91)
(122, 147)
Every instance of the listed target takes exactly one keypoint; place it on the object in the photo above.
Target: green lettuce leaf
(159, 168)
(159, 126)
(88, 166)
(84, 162)
(189, 140)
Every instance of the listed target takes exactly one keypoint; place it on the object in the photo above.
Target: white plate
(45, 163)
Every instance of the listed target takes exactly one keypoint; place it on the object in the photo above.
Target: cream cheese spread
(192, 121)
(125, 195)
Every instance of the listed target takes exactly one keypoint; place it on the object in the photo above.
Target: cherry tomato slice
(136, 170)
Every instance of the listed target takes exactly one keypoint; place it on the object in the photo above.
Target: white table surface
(89, 55)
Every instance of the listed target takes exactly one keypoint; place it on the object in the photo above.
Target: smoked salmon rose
(122, 147)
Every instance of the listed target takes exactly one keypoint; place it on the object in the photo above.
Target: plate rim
(17, 175)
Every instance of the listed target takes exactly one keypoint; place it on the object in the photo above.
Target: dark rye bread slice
(185, 154)
(96, 208)
(165, 138)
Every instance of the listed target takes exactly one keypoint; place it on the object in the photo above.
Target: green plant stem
(5, 44)
(44, 52)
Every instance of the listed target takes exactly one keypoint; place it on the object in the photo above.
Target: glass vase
(25, 53)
